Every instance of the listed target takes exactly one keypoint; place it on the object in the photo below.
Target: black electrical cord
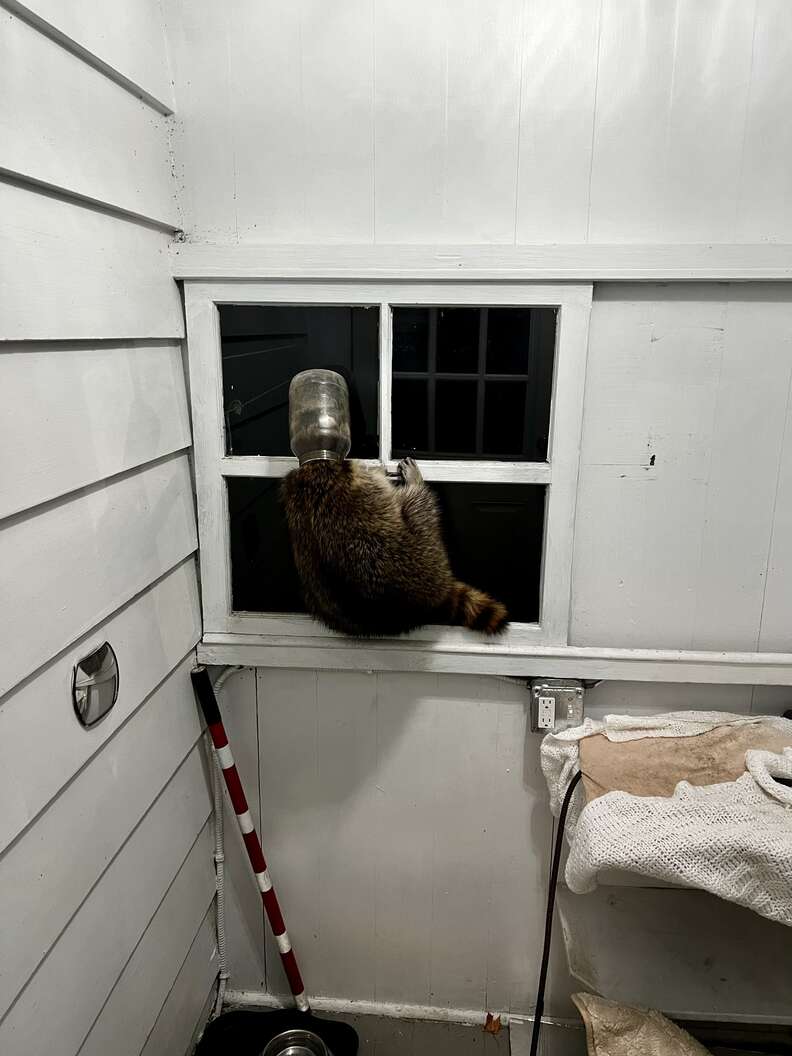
(548, 932)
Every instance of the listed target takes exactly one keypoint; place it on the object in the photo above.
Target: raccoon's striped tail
(468, 607)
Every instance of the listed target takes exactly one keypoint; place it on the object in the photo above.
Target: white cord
(219, 855)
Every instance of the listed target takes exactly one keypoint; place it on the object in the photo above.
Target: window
(481, 383)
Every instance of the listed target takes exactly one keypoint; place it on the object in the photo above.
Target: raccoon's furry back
(370, 555)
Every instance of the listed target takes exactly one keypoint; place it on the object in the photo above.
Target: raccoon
(370, 553)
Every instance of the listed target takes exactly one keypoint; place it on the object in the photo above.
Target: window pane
(494, 537)
(410, 339)
(457, 340)
(500, 405)
(504, 418)
(493, 533)
(264, 346)
(263, 576)
(455, 417)
(410, 416)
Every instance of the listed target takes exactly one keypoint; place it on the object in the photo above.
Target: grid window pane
(455, 417)
(504, 418)
(506, 355)
(457, 340)
(264, 346)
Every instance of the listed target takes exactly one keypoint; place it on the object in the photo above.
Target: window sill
(492, 658)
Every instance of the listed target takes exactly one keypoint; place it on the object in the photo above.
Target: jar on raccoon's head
(319, 416)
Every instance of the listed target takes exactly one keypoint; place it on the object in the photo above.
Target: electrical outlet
(556, 704)
(545, 717)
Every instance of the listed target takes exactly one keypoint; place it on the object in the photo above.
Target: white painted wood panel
(672, 89)
(541, 263)
(119, 157)
(775, 620)
(98, 411)
(186, 1003)
(93, 275)
(47, 873)
(446, 125)
(304, 164)
(67, 566)
(403, 815)
(131, 1011)
(559, 79)
(764, 208)
(127, 37)
(686, 403)
(58, 1006)
(203, 130)
(42, 746)
(525, 121)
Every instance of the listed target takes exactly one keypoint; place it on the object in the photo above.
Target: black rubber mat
(245, 1033)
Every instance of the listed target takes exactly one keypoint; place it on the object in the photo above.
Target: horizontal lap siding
(129, 401)
(105, 838)
(114, 158)
(70, 272)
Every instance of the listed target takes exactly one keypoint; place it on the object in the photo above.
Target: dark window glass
(493, 533)
(455, 417)
(489, 379)
(409, 404)
(264, 346)
(457, 340)
(494, 537)
(504, 417)
(263, 576)
(410, 339)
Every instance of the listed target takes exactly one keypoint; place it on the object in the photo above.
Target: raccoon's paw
(408, 472)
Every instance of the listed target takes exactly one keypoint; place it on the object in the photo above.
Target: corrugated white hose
(219, 854)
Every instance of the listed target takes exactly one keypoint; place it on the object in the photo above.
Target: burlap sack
(621, 1030)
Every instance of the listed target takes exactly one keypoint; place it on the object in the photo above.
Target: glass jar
(319, 416)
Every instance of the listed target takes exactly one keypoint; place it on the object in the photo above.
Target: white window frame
(559, 473)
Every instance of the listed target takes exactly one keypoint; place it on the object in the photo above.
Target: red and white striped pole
(204, 691)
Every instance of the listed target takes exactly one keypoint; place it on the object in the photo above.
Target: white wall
(466, 121)
(404, 815)
(107, 938)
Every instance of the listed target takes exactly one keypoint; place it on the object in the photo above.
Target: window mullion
(482, 369)
(385, 383)
(430, 387)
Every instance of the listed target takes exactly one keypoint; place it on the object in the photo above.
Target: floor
(402, 1037)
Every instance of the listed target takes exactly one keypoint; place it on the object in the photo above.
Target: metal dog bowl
(296, 1043)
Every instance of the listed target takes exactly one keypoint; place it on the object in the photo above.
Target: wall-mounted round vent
(95, 685)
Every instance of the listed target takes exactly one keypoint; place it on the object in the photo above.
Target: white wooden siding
(187, 1002)
(59, 1004)
(681, 498)
(115, 158)
(129, 401)
(131, 1011)
(93, 275)
(47, 872)
(103, 545)
(97, 543)
(125, 38)
(525, 121)
(150, 636)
